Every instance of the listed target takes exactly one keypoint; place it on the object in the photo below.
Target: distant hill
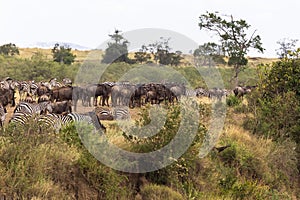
(81, 55)
(50, 45)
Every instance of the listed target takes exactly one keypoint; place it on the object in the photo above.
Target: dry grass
(80, 54)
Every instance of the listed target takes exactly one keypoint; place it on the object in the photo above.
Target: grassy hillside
(33, 63)
(38, 163)
(80, 55)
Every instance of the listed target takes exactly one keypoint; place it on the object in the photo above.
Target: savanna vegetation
(257, 155)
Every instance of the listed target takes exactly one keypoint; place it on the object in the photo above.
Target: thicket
(276, 104)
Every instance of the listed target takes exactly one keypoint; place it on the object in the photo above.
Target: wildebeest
(61, 107)
(67, 93)
(7, 96)
(29, 98)
(43, 98)
(94, 91)
(240, 91)
(121, 94)
(43, 89)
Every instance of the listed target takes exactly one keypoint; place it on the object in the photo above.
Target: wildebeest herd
(55, 103)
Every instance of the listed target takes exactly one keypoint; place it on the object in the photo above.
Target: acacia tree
(117, 50)
(207, 53)
(286, 45)
(9, 49)
(162, 53)
(63, 54)
(235, 40)
(142, 55)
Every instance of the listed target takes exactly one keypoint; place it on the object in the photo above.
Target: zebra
(33, 88)
(121, 113)
(67, 81)
(22, 118)
(38, 108)
(55, 121)
(201, 92)
(27, 88)
(3, 114)
(54, 83)
(23, 89)
(90, 118)
(104, 113)
(190, 93)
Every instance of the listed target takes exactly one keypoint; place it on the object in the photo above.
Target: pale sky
(89, 22)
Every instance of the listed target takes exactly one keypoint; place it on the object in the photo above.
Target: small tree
(162, 54)
(208, 52)
(117, 51)
(233, 37)
(286, 45)
(142, 55)
(9, 49)
(63, 54)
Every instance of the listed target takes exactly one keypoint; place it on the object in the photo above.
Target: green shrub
(233, 101)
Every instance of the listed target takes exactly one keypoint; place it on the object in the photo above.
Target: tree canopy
(117, 50)
(234, 38)
(63, 54)
(9, 49)
(207, 53)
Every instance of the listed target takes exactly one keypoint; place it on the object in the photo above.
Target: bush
(233, 101)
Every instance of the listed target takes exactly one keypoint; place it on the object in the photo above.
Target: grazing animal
(90, 118)
(104, 113)
(241, 91)
(33, 108)
(61, 107)
(3, 114)
(55, 121)
(44, 98)
(121, 113)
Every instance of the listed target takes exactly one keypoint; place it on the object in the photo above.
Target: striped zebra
(27, 88)
(121, 113)
(55, 121)
(190, 93)
(202, 92)
(90, 118)
(104, 113)
(24, 88)
(3, 114)
(22, 118)
(54, 83)
(37, 108)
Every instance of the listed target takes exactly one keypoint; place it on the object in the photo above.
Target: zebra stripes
(22, 118)
(121, 113)
(56, 121)
(90, 118)
(104, 113)
(34, 108)
(3, 114)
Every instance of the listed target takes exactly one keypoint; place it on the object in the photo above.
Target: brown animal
(7, 96)
(65, 93)
(29, 99)
(61, 107)
(44, 98)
